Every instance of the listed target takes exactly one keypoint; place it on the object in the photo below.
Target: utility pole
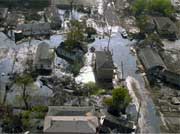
(138, 115)
(122, 70)
(110, 31)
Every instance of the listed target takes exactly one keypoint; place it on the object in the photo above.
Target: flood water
(148, 121)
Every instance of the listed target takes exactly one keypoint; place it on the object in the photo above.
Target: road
(149, 121)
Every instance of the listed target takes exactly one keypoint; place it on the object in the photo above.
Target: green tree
(139, 7)
(121, 98)
(162, 6)
(119, 101)
(142, 23)
(75, 35)
(24, 81)
(12, 124)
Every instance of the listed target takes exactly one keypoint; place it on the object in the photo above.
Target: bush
(108, 101)
(75, 68)
(119, 101)
(91, 87)
(40, 108)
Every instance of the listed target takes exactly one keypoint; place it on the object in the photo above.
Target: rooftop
(71, 124)
(104, 60)
(150, 58)
(164, 23)
(68, 111)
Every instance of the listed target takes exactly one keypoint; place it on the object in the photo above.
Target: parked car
(124, 33)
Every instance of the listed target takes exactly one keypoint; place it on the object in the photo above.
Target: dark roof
(165, 24)
(171, 77)
(68, 111)
(150, 58)
(71, 125)
(35, 29)
(104, 60)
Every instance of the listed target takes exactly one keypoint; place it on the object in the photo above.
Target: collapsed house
(43, 59)
(70, 120)
(155, 67)
(35, 30)
(104, 66)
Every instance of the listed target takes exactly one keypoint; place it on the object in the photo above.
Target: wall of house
(105, 74)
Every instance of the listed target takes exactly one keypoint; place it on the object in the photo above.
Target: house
(104, 66)
(150, 58)
(70, 120)
(3, 14)
(170, 77)
(53, 17)
(35, 30)
(121, 125)
(43, 59)
(166, 28)
(67, 4)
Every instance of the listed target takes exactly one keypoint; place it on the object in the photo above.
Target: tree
(75, 35)
(119, 101)
(12, 124)
(162, 6)
(141, 7)
(24, 81)
(90, 31)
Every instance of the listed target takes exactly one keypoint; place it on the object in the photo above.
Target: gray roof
(43, 56)
(68, 111)
(35, 29)
(70, 120)
(165, 24)
(71, 125)
(150, 58)
(104, 60)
